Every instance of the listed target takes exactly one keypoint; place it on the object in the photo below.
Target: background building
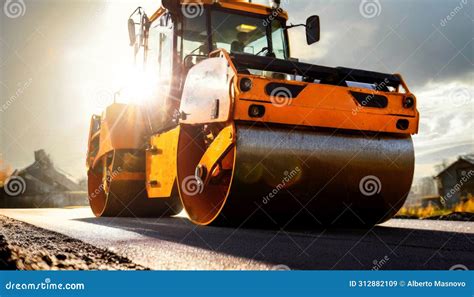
(456, 181)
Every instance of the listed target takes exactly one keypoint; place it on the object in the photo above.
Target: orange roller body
(237, 133)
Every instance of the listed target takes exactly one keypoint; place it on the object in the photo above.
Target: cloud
(446, 124)
(408, 37)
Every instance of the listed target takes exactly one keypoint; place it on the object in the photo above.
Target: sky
(61, 61)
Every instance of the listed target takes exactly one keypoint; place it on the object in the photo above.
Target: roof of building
(466, 158)
(43, 173)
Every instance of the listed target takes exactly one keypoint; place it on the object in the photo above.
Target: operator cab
(191, 31)
(178, 36)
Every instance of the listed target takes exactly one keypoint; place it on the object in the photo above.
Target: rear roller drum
(281, 177)
(116, 187)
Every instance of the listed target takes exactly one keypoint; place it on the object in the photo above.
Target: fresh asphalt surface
(175, 243)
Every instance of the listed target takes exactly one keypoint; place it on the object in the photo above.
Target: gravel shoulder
(26, 247)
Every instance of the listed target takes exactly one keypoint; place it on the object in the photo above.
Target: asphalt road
(175, 243)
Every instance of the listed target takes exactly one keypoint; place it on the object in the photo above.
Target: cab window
(160, 47)
(195, 40)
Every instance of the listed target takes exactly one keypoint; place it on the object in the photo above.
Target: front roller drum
(283, 177)
(117, 188)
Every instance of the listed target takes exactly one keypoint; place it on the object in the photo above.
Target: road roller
(226, 126)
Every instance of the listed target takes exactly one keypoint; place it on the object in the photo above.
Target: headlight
(245, 84)
(409, 101)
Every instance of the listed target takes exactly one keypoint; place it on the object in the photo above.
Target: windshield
(233, 32)
(246, 34)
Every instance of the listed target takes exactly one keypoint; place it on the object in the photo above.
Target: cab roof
(238, 5)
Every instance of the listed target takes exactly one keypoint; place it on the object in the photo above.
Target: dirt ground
(26, 247)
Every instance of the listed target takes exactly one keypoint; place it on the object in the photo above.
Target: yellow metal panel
(217, 151)
(206, 94)
(94, 140)
(122, 128)
(161, 164)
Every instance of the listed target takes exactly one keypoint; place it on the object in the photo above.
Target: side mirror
(313, 29)
(131, 32)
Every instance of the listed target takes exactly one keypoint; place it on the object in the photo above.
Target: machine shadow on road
(378, 248)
